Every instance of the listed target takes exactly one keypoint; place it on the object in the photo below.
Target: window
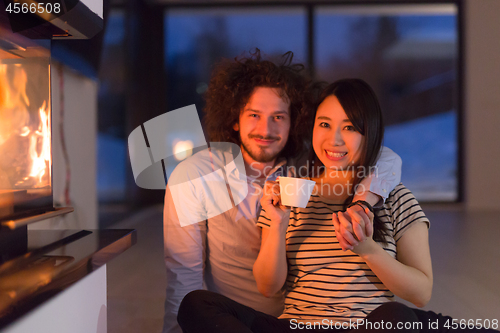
(408, 54)
(111, 141)
(197, 39)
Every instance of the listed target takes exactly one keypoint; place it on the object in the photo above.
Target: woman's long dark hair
(362, 108)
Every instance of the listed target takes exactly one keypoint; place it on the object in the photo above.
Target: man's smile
(264, 141)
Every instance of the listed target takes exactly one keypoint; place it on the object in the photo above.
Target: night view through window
(408, 54)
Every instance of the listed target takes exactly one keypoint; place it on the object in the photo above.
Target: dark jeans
(205, 311)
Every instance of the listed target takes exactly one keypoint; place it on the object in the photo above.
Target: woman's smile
(335, 155)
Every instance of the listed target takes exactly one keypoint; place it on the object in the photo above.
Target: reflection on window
(111, 141)
(197, 39)
(408, 54)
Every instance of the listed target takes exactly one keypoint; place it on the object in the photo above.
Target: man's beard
(260, 156)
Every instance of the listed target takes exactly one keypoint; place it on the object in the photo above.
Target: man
(262, 108)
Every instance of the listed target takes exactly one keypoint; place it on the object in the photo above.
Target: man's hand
(370, 197)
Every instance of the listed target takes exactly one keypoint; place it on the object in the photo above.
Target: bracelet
(361, 203)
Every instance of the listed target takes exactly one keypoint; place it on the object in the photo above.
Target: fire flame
(40, 162)
(27, 133)
(13, 101)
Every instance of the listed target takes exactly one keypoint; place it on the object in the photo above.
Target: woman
(347, 131)
(328, 287)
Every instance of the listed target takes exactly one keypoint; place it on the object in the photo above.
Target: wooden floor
(465, 248)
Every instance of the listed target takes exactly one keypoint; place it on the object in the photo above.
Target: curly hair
(233, 82)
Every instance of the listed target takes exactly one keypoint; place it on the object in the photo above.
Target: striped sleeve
(405, 210)
(263, 221)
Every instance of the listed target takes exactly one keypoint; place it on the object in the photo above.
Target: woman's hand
(353, 228)
(271, 268)
(367, 245)
(271, 203)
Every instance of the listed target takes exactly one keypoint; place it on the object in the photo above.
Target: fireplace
(37, 265)
(25, 129)
(26, 182)
(26, 192)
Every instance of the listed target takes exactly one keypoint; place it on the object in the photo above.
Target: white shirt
(222, 249)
